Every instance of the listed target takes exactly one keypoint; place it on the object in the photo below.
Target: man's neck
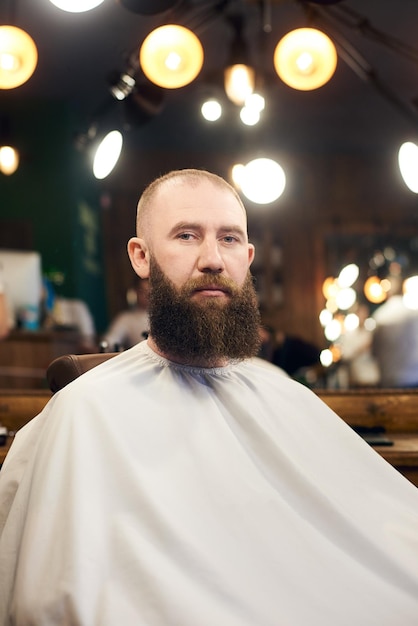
(197, 361)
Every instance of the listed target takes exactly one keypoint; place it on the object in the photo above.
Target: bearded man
(184, 482)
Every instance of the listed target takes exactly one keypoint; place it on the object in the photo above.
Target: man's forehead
(181, 193)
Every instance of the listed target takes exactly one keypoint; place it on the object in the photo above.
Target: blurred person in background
(356, 353)
(130, 327)
(395, 340)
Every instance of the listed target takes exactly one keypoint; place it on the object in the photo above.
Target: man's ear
(139, 256)
(251, 253)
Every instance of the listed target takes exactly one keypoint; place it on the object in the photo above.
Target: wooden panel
(394, 409)
(25, 356)
(17, 407)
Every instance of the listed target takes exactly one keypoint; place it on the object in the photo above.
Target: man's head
(192, 238)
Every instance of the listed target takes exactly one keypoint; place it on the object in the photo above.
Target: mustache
(207, 282)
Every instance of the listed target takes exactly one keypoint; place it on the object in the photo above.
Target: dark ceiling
(363, 106)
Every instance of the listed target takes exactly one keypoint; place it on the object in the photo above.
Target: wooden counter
(25, 355)
(395, 410)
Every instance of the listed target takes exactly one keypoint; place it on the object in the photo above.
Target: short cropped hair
(190, 176)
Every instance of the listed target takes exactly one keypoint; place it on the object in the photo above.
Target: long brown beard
(207, 330)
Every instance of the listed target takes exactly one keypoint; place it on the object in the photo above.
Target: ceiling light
(107, 154)
(249, 116)
(9, 160)
(345, 298)
(408, 165)
(239, 76)
(18, 57)
(305, 59)
(263, 181)
(239, 80)
(171, 56)
(374, 291)
(76, 6)
(211, 110)
(348, 275)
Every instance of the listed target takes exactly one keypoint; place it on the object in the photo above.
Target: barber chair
(66, 368)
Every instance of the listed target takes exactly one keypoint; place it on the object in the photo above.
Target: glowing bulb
(348, 275)
(9, 160)
(249, 117)
(107, 154)
(211, 110)
(76, 6)
(351, 321)
(408, 165)
(264, 181)
(374, 291)
(18, 57)
(333, 330)
(325, 317)
(171, 56)
(326, 357)
(346, 298)
(305, 59)
(239, 82)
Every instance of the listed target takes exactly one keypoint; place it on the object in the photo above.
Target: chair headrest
(66, 368)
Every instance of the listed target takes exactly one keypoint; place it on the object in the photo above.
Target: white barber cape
(152, 494)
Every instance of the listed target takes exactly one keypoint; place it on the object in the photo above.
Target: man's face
(199, 230)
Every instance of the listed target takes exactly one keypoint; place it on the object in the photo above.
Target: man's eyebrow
(233, 229)
(227, 228)
(185, 226)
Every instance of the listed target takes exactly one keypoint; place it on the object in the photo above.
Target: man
(185, 483)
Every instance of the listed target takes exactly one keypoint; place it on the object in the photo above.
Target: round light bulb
(305, 59)
(18, 57)
(171, 56)
(211, 110)
(76, 6)
(263, 181)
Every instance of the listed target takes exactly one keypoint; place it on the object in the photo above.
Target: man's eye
(185, 236)
(229, 239)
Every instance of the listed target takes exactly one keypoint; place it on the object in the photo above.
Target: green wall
(55, 192)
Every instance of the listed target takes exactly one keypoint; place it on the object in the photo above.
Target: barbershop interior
(308, 108)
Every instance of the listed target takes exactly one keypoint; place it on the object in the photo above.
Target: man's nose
(210, 258)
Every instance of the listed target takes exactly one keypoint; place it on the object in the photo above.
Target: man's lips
(211, 291)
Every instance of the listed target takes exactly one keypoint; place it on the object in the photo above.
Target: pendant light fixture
(18, 57)
(239, 76)
(305, 59)
(171, 56)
